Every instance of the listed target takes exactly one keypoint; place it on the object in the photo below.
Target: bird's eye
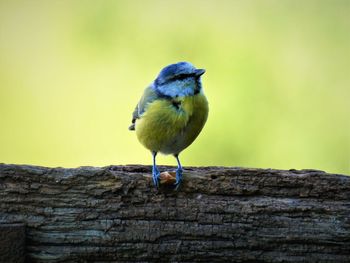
(181, 76)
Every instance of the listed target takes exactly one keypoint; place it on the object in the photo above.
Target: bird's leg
(155, 171)
(178, 171)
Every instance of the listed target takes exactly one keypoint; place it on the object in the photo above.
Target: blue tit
(171, 113)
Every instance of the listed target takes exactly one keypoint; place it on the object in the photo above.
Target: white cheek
(178, 88)
(172, 89)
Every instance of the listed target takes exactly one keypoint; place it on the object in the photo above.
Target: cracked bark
(220, 214)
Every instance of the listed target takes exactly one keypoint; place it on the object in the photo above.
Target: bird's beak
(199, 72)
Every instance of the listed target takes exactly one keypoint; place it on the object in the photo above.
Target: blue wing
(148, 96)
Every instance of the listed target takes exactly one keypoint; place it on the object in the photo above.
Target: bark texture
(220, 214)
(12, 243)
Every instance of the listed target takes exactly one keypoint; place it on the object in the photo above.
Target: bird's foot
(178, 178)
(155, 176)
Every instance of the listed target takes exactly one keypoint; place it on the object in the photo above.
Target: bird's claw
(178, 178)
(156, 177)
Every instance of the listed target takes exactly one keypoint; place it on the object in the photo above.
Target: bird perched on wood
(171, 113)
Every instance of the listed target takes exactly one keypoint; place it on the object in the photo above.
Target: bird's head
(180, 79)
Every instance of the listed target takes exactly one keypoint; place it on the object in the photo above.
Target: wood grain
(220, 214)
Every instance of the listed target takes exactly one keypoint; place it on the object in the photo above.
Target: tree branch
(219, 214)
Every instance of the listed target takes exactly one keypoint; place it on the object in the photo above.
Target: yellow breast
(170, 126)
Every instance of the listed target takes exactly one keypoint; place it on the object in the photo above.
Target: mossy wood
(219, 214)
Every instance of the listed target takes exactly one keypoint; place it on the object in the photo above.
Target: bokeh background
(278, 80)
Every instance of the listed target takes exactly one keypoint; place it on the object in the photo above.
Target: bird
(171, 113)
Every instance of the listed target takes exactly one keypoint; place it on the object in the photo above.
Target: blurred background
(278, 80)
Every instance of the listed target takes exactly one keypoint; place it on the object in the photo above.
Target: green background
(278, 80)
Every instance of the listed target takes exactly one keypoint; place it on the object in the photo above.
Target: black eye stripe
(182, 76)
(178, 77)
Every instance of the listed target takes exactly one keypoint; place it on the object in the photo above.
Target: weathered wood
(12, 243)
(219, 214)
